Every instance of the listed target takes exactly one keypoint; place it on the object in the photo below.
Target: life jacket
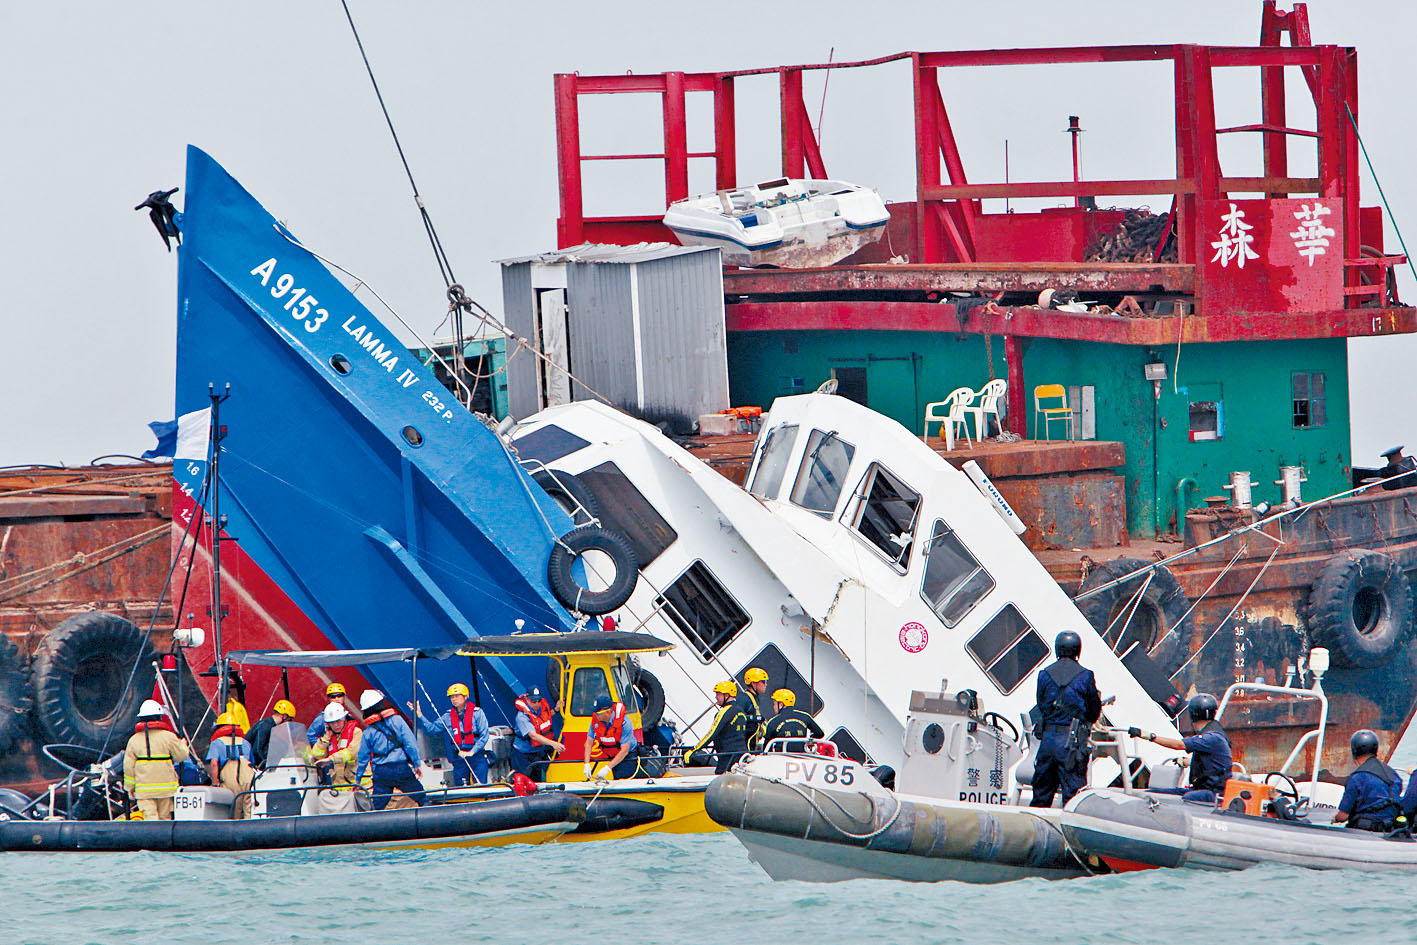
(606, 735)
(464, 726)
(154, 724)
(154, 775)
(346, 735)
(1384, 808)
(1210, 770)
(380, 716)
(237, 748)
(540, 718)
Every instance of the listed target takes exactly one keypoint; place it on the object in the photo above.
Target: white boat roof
(609, 253)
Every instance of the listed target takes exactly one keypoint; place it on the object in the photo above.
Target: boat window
(954, 582)
(848, 746)
(772, 461)
(588, 685)
(624, 509)
(886, 517)
(1008, 649)
(822, 474)
(1308, 402)
(703, 610)
(623, 685)
(781, 675)
(548, 444)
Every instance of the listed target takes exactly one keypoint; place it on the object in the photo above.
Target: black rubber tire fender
(651, 693)
(1165, 602)
(1361, 608)
(577, 542)
(15, 695)
(100, 649)
(568, 491)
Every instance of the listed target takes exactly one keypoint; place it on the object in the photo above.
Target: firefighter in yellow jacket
(150, 762)
(338, 746)
(229, 762)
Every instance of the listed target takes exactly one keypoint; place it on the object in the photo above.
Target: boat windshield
(822, 474)
(628, 694)
(772, 461)
(288, 741)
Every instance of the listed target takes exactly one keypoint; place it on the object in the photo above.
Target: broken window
(822, 474)
(1207, 420)
(886, 516)
(772, 461)
(703, 610)
(954, 581)
(1310, 409)
(1008, 649)
(624, 509)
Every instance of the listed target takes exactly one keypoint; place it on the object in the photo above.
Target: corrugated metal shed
(642, 325)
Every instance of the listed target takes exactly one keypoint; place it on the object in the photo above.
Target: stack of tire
(1361, 608)
(81, 682)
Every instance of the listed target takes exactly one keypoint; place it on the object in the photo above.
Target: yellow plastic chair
(951, 411)
(1047, 392)
(989, 396)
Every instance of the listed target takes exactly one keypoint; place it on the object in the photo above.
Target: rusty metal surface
(961, 277)
(1084, 510)
(1034, 457)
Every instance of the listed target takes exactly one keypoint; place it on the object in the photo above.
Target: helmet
(1068, 645)
(285, 707)
(785, 696)
(226, 718)
(602, 703)
(727, 687)
(333, 689)
(755, 675)
(370, 698)
(151, 709)
(334, 712)
(457, 689)
(1203, 706)
(1363, 742)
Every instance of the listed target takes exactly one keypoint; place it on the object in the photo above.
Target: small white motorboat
(796, 224)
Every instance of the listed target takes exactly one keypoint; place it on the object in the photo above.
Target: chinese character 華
(1311, 239)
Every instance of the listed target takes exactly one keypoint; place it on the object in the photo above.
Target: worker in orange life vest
(611, 749)
(466, 732)
(338, 746)
(229, 760)
(535, 739)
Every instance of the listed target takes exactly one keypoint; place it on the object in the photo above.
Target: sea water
(658, 889)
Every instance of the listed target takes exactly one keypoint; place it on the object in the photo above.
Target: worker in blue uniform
(1372, 797)
(1068, 705)
(1209, 748)
(335, 693)
(466, 735)
(389, 750)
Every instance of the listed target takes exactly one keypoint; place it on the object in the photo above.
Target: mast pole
(218, 432)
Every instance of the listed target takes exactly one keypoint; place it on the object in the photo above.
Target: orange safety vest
(540, 719)
(380, 716)
(346, 735)
(606, 735)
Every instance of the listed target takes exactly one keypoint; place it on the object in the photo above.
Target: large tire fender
(79, 673)
(15, 698)
(569, 492)
(1361, 608)
(1164, 598)
(577, 542)
(651, 692)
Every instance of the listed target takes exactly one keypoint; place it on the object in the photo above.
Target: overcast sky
(98, 100)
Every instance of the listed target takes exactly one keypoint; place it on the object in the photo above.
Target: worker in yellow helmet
(260, 734)
(728, 733)
(466, 735)
(789, 721)
(150, 762)
(229, 760)
(752, 700)
(334, 695)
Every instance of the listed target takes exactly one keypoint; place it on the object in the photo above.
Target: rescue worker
(1371, 796)
(534, 745)
(334, 694)
(390, 751)
(260, 734)
(229, 762)
(1068, 705)
(729, 732)
(789, 722)
(465, 731)
(611, 749)
(1209, 748)
(752, 699)
(1397, 465)
(338, 746)
(150, 762)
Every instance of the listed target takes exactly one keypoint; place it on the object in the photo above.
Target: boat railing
(1316, 734)
(1114, 743)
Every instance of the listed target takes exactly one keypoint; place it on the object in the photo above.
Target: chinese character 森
(1235, 240)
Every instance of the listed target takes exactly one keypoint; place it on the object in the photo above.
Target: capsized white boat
(789, 223)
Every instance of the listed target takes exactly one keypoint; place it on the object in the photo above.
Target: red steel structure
(953, 244)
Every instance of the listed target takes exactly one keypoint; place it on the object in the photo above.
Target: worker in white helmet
(150, 762)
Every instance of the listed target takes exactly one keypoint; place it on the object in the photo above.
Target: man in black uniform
(1209, 748)
(789, 722)
(1397, 464)
(1371, 796)
(1068, 705)
(728, 733)
(750, 701)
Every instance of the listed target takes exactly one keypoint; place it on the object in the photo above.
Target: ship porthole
(339, 363)
(412, 435)
(933, 738)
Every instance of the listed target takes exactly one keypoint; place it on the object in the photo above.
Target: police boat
(785, 222)
(954, 811)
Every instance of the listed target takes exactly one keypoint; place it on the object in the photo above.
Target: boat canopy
(553, 644)
(323, 658)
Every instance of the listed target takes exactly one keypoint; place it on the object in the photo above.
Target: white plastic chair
(989, 396)
(954, 407)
